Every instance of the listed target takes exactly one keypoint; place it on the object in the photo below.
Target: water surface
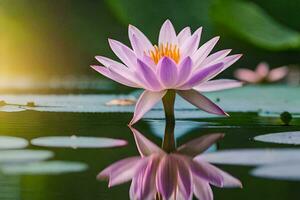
(240, 129)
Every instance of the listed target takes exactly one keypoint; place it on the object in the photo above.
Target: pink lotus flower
(176, 64)
(156, 174)
(261, 74)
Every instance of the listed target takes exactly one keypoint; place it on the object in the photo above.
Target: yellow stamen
(168, 50)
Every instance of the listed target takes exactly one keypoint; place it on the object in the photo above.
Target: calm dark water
(239, 130)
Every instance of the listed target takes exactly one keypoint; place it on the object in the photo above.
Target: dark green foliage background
(57, 38)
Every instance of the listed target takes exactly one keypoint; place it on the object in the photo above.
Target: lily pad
(11, 108)
(69, 103)
(77, 142)
(8, 142)
(280, 138)
(246, 99)
(287, 171)
(121, 102)
(252, 157)
(41, 168)
(259, 99)
(276, 114)
(21, 156)
(272, 99)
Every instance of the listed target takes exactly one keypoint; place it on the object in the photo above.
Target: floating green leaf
(153, 13)
(286, 171)
(272, 99)
(9, 142)
(21, 156)
(78, 142)
(47, 167)
(11, 108)
(252, 157)
(275, 114)
(249, 22)
(280, 138)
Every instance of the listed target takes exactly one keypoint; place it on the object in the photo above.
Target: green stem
(169, 143)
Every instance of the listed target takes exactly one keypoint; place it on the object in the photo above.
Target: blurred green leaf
(149, 15)
(285, 12)
(249, 22)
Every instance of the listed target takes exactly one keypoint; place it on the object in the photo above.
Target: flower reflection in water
(156, 174)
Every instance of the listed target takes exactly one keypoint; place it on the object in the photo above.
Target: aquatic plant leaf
(11, 108)
(68, 103)
(249, 22)
(77, 142)
(21, 156)
(46, 167)
(275, 99)
(275, 115)
(287, 171)
(9, 142)
(280, 138)
(259, 99)
(145, 10)
(246, 99)
(252, 157)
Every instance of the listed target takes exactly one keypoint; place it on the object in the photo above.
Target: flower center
(168, 50)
